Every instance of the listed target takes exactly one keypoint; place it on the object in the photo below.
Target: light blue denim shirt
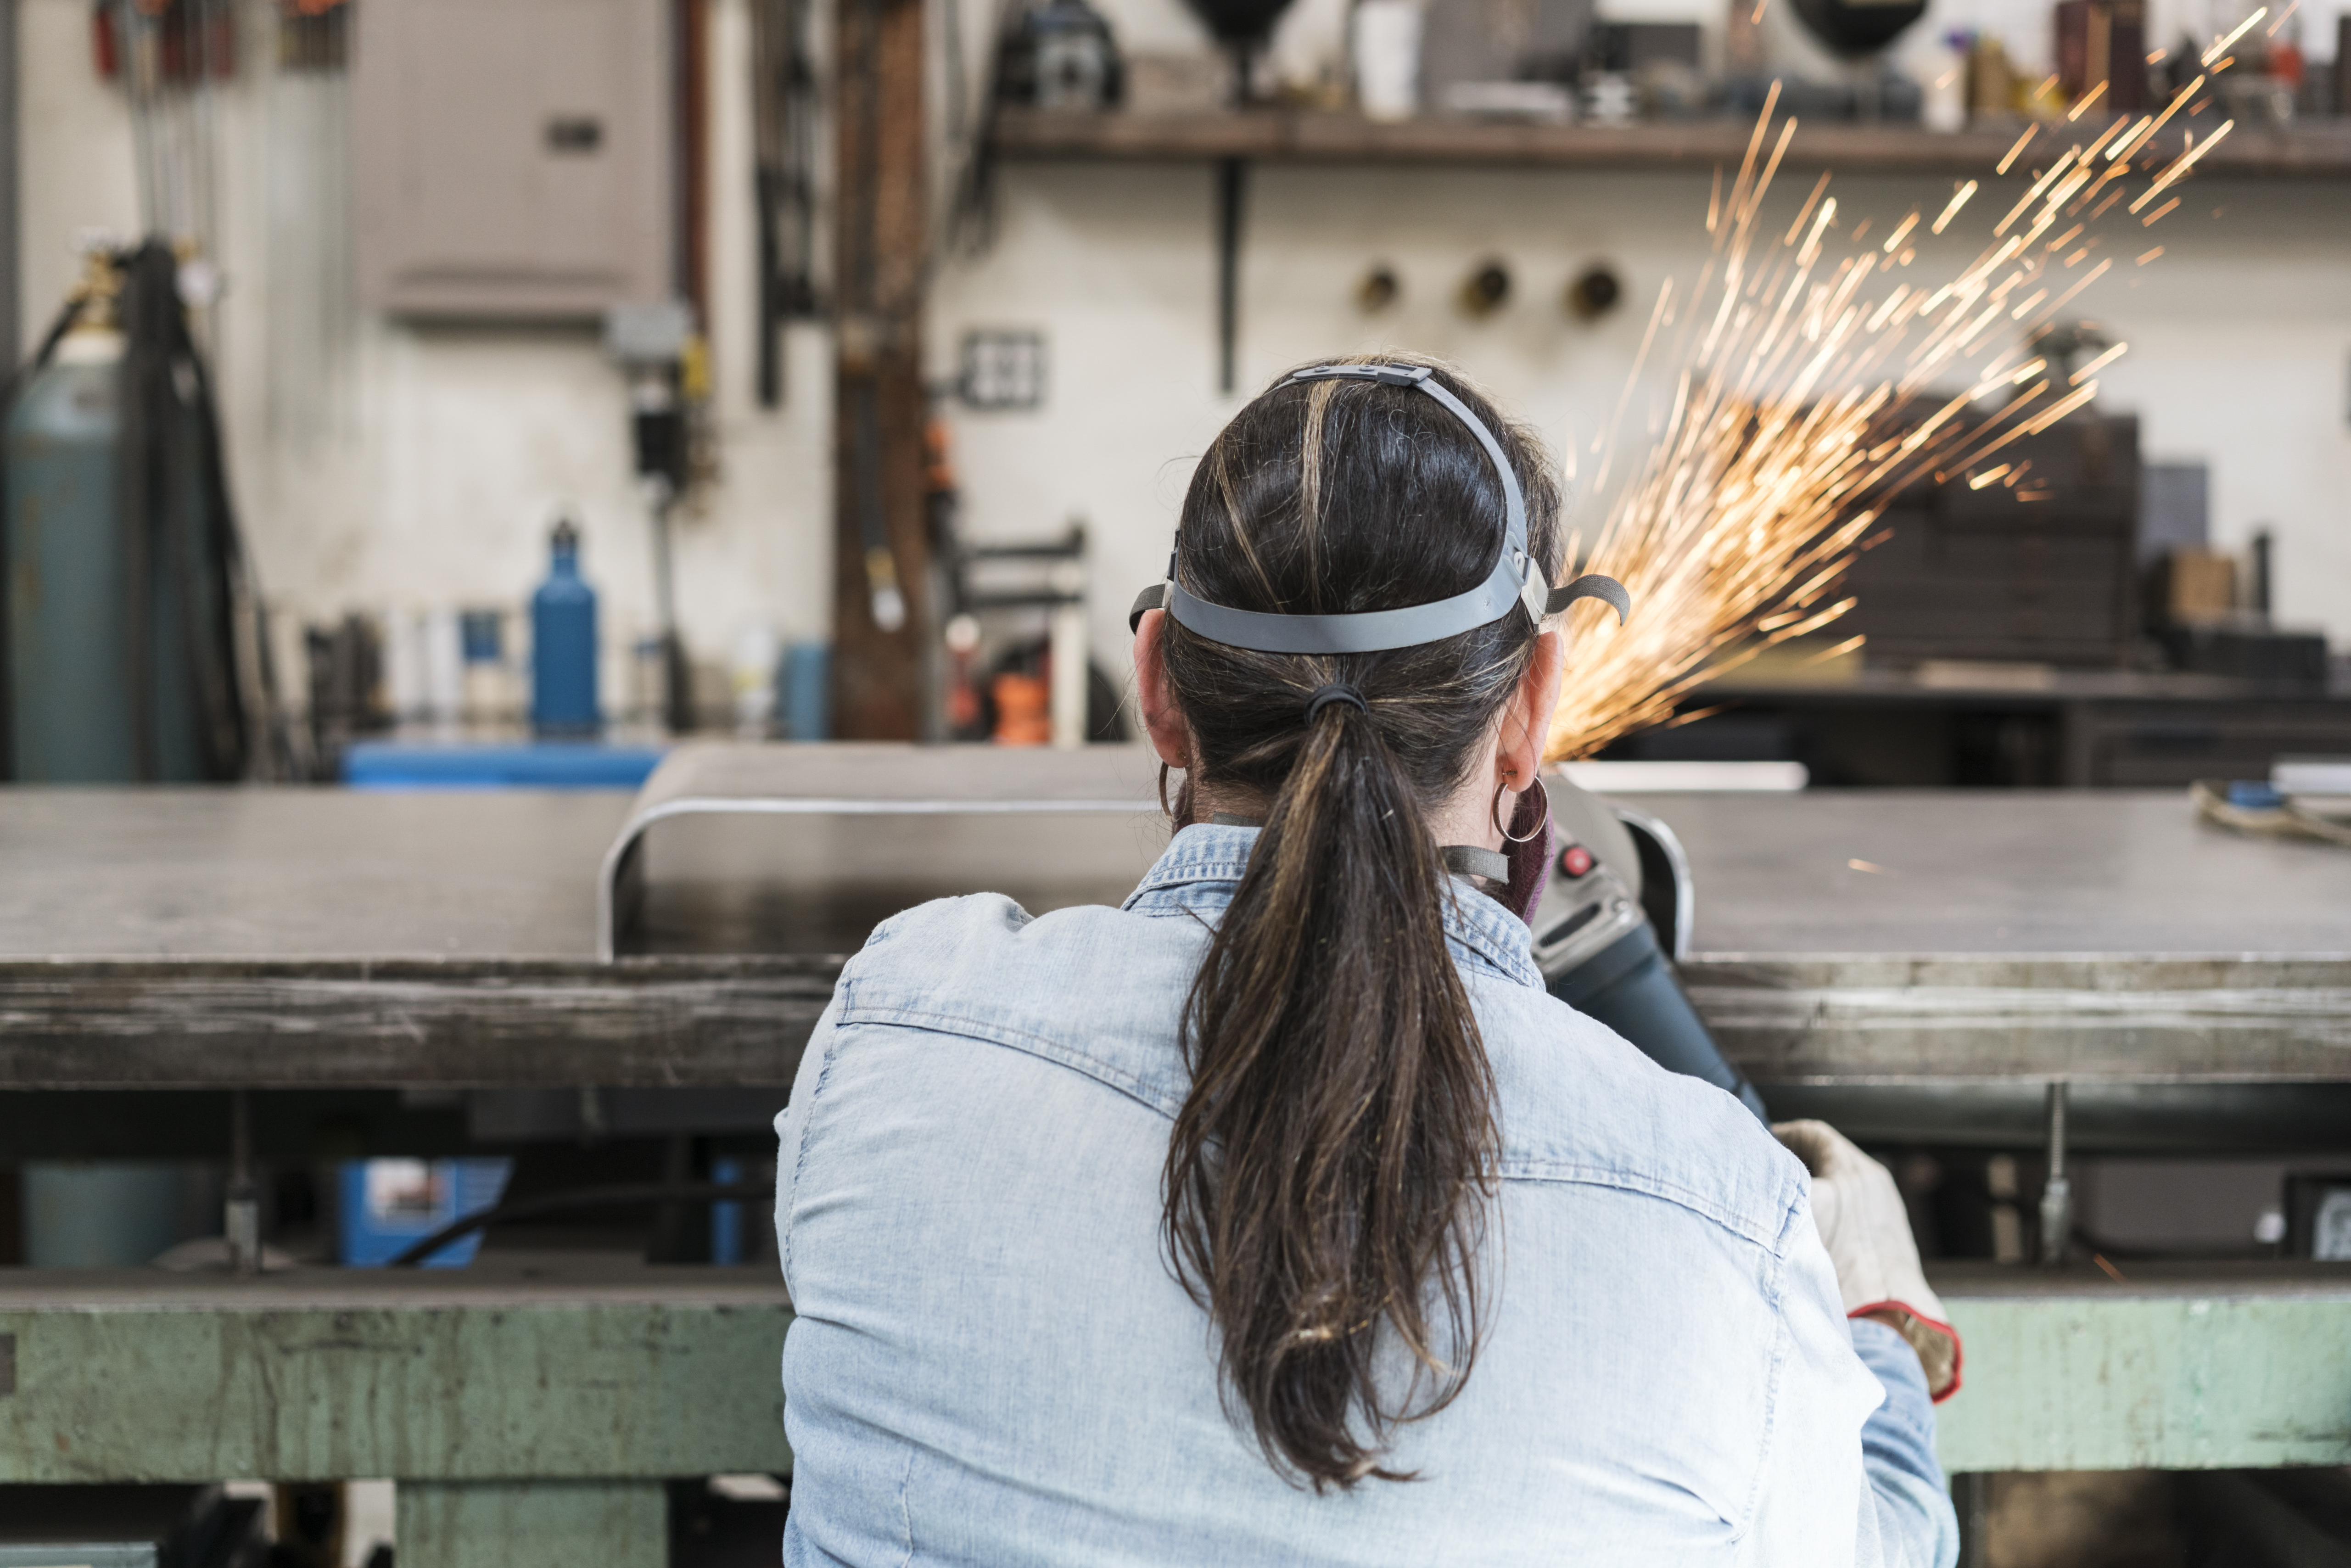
(993, 1365)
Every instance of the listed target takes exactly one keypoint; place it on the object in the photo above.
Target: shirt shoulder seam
(1521, 1167)
(1042, 1047)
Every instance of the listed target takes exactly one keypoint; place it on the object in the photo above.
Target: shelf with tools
(1234, 140)
(2316, 149)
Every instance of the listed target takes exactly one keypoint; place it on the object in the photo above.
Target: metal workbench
(285, 938)
(1965, 947)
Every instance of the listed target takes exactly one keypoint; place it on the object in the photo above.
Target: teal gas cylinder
(77, 684)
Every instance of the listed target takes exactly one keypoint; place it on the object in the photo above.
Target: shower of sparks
(1815, 379)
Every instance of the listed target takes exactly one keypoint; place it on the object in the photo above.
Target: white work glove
(1866, 1231)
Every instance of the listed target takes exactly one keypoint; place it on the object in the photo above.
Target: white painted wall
(2239, 334)
(458, 445)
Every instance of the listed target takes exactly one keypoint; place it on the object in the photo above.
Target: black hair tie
(1336, 692)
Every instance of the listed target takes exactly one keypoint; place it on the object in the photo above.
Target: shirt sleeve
(1917, 1526)
(1849, 1472)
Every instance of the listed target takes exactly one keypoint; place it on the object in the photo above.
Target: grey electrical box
(512, 157)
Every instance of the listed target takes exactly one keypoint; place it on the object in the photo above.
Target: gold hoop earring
(1495, 811)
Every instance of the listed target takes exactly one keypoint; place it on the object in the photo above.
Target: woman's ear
(1526, 721)
(1162, 719)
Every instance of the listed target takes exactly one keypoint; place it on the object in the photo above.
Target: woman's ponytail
(1323, 1174)
(1327, 1178)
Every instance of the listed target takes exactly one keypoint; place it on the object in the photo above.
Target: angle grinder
(1599, 953)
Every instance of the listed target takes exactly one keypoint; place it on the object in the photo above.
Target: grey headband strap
(1590, 585)
(1516, 580)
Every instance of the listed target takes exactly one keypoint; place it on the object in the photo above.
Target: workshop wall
(434, 475)
(2239, 335)
(433, 478)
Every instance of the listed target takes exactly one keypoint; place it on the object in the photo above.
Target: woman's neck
(1464, 817)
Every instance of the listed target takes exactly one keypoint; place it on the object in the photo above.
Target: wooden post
(692, 35)
(880, 598)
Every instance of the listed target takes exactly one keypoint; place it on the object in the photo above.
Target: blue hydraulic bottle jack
(563, 645)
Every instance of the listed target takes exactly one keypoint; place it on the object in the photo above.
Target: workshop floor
(2154, 1519)
(2091, 1519)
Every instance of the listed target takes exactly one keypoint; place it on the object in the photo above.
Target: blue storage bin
(387, 1205)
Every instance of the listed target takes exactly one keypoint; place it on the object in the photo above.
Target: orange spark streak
(2034, 194)
(1806, 210)
(2139, 141)
(1958, 201)
(2222, 45)
(2185, 161)
(2109, 356)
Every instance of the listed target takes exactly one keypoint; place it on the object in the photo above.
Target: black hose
(148, 400)
(415, 1252)
(179, 511)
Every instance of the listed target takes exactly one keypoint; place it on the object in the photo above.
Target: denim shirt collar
(1204, 864)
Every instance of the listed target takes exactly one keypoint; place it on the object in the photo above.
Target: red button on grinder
(1575, 860)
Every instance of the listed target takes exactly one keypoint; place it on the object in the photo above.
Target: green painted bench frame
(534, 1420)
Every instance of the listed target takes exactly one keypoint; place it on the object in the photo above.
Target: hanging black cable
(179, 521)
(176, 512)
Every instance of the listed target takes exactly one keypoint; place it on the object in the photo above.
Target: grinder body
(1600, 954)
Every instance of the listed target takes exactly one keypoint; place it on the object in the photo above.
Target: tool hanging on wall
(784, 129)
(1022, 687)
(168, 55)
(666, 366)
(193, 39)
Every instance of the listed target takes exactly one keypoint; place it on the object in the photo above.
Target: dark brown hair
(1326, 1181)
